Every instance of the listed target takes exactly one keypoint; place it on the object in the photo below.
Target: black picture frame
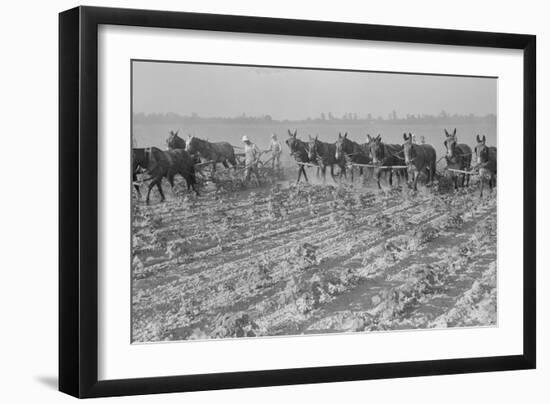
(78, 201)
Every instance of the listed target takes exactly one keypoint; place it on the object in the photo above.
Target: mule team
(406, 160)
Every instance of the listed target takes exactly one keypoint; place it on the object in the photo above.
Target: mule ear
(477, 139)
(289, 132)
(295, 132)
(405, 136)
(454, 132)
(379, 138)
(346, 135)
(369, 138)
(483, 139)
(339, 135)
(316, 137)
(446, 133)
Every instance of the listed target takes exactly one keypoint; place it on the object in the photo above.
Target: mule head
(450, 142)
(408, 148)
(174, 141)
(376, 149)
(292, 141)
(481, 150)
(191, 144)
(340, 144)
(311, 147)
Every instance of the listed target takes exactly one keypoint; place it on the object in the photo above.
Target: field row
(312, 259)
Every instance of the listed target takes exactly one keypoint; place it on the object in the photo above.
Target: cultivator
(233, 178)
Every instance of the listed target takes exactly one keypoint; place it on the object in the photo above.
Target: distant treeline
(328, 118)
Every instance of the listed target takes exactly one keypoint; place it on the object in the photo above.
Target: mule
(351, 152)
(419, 158)
(219, 152)
(325, 155)
(298, 150)
(458, 157)
(158, 164)
(384, 154)
(486, 162)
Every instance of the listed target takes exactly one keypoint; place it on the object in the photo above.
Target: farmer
(276, 149)
(251, 157)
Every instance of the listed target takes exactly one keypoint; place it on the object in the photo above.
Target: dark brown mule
(324, 154)
(159, 164)
(384, 154)
(420, 157)
(174, 141)
(486, 162)
(298, 150)
(458, 157)
(219, 152)
(351, 152)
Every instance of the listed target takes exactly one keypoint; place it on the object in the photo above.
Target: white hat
(274, 135)
(245, 138)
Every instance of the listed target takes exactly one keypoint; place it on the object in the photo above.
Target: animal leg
(159, 186)
(194, 186)
(378, 173)
(481, 186)
(332, 173)
(150, 187)
(416, 175)
(136, 186)
(171, 180)
(305, 175)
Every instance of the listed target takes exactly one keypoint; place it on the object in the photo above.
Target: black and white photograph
(277, 201)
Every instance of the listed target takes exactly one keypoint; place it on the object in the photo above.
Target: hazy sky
(211, 90)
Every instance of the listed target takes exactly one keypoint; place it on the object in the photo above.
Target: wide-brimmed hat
(245, 138)
(274, 136)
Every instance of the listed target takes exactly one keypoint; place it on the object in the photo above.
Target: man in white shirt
(251, 156)
(276, 149)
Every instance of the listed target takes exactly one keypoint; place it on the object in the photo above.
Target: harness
(349, 156)
(386, 152)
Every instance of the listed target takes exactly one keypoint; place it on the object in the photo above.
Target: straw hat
(245, 138)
